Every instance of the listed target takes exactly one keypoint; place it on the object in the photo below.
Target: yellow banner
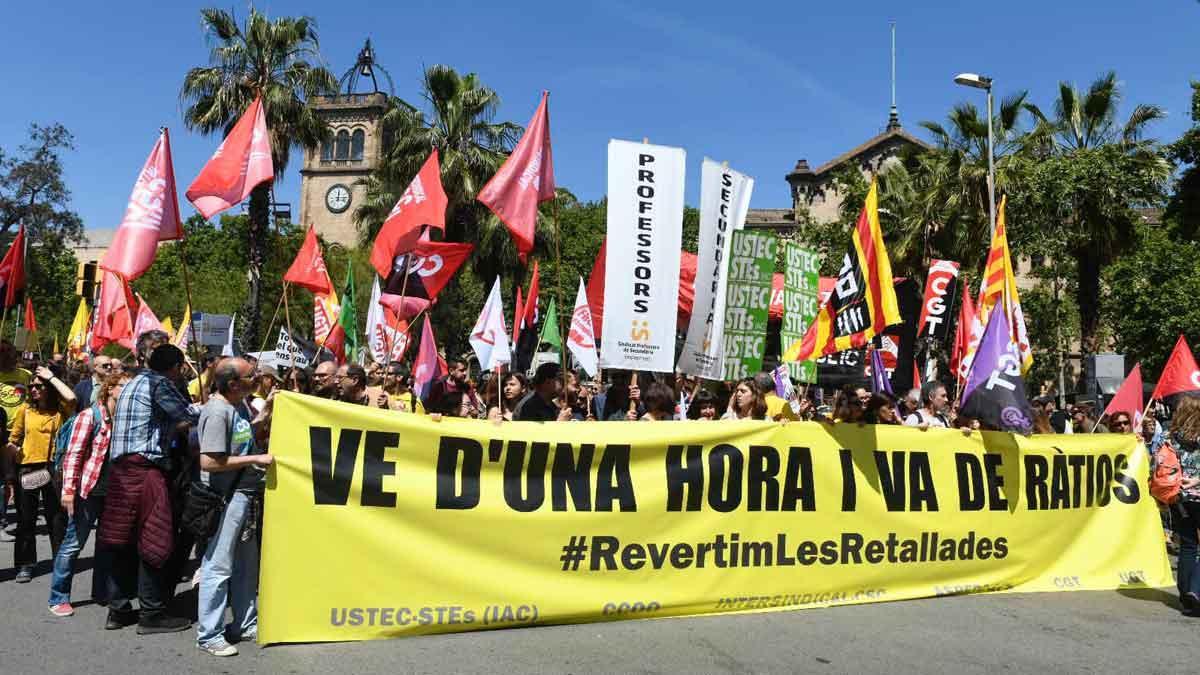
(381, 524)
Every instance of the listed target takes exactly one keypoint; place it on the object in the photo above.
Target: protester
(147, 342)
(932, 413)
(659, 400)
(397, 383)
(84, 485)
(623, 400)
(849, 404)
(35, 423)
(229, 569)
(881, 409)
(1041, 422)
(747, 402)
(777, 408)
(539, 404)
(101, 368)
(137, 523)
(456, 379)
(14, 383)
(352, 387)
(1120, 422)
(911, 402)
(705, 406)
(324, 380)
(1185, 440)
(516, 387)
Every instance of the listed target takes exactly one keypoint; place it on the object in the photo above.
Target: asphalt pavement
(1139, 631)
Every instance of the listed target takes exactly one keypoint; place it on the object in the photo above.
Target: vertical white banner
(724, 202)
(641, 275)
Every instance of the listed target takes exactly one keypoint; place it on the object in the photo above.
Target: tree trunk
(1087, 295)
(256, 233)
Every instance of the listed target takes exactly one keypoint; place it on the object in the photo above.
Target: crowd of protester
(121, 449)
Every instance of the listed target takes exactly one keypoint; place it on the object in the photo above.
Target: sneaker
(24, 575)
(119, 620)
(62, 609)
(163, 624)
(252, 636)
(219, 648)
(5, 536)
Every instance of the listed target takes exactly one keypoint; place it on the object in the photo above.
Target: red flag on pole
(12, 268)
(525, 180)
(151, 216)
(423, 203)
(429, 364)
(114, 313)
(336, 343)
(30, 319)
(962, 335)
(308, 269)
(238, 166)
(595, 289)
(1180, 375)
(1128, 398)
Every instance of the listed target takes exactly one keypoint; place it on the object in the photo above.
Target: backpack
(62, 439)
(1166, 481)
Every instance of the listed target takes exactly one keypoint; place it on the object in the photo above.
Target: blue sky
(760, 84)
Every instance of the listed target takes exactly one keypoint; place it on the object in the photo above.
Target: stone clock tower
(328, 193)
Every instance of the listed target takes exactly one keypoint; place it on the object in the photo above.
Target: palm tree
(472, 147)
(1101, 169)
(279, 60)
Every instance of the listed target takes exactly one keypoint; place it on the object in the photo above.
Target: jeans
(79, 528)
(132, 578)
(1188, 576)
(229, 576)
(25, 551)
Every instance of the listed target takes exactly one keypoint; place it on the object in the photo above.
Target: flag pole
(562, 339)
(287, 315)
(192, 343)
(267, 335)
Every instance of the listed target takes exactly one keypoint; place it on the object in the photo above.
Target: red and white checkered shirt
(89, 447)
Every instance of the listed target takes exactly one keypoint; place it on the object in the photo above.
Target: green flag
(550, 328)
(348, 319)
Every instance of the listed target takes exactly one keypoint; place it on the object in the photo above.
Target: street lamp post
(976, 81)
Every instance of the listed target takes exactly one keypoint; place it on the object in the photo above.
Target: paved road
(1128, 631)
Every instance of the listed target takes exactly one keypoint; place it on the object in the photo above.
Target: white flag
(489, 338)
(724, 203)
(581, 339)
(385, 341)
(227, 350)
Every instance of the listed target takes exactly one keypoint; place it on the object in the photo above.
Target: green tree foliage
(32, 189)
(1184, 206)
(278, 60)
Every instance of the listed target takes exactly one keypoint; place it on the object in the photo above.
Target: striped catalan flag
(863, 301)
(999, 288)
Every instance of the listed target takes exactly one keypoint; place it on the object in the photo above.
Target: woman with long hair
(705, 406)
(659, 400)
(34, 427)
(881, 409)
(747, 402)
(84, 481)
(1185, 441)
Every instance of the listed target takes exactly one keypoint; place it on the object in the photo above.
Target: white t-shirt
(921, 417)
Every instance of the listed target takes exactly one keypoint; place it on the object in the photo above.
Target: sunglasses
(1120, 423)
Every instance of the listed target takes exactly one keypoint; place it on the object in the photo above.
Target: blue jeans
(229, 577)
(1188, 576)
(79, 528)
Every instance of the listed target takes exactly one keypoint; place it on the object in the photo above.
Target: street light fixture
(977, 81)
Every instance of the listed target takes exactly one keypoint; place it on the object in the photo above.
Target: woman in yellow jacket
(35, 424)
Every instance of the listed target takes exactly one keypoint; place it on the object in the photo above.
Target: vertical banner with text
(801, 289)
(751, 269)
(641, 276)
(724, 202)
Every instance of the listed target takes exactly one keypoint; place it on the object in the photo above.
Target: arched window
(343, 145)
(356, 144)
(326, 151)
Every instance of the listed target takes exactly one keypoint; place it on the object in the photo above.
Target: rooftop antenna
(893, 116)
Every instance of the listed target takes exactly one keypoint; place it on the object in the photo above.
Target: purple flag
(994, 393)
(879, 378)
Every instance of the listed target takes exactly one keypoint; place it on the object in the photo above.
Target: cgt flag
(994, 393)
(308, 269)
(429, 267)
(387, 338)
(422, 204)
(581, 339)
(239, 165)
(962, 338)
(525, 180)
(489, 338)
(863, 302)
(1180, 375)
(151, 216)
(940, 288)
(114, 313)
(1128, 398)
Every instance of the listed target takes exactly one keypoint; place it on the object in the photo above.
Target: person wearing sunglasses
(1120, 423)
(85, 390)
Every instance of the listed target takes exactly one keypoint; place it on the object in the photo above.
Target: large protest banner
(748, 302)
(724, 203)
(641, 274)
(801, 287)
(382, 524)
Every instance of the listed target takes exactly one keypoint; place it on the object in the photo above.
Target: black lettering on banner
(332, 478)
(996, 499)
(1060, 493)
(732, 496)
(614, 482)
(970, 482)
(1127, 492)
(1104, 475)
(375, 468)
(684, 476)
(448, 495)
(569, 475)
(1076, 463)
(849, 484)
(535, 475)
(1037, 493)
(762, 474)
(798, 485)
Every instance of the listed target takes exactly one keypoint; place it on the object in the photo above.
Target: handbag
(35, 479)
(202, 507)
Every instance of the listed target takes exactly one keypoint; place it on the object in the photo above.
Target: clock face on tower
(337, 199)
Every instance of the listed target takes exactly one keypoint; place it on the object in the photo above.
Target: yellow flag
(77, 337)
(185, 326)
(168, 327)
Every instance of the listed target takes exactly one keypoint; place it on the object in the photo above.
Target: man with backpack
(934, 404)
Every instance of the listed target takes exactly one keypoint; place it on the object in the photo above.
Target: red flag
(12, 268)
(114, 313)
(1180, 374)
(429, 365)
(238, 166)
(423, 203)
(962, 335)
(429, 266)
(1128, 398)
(595, 289)
(525, 333)
(518, 312)
(336, 343)
(30, 319)
(525, 180)
(151, 216)
(308, 269)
